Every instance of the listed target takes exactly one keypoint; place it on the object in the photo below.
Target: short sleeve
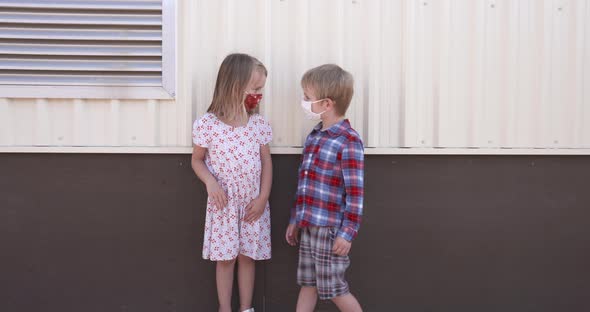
(202, 132)
(265, 131)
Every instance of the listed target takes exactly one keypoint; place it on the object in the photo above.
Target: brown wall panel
(85, 232)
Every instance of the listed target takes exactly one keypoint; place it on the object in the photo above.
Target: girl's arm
(256, 207)
(266, 175)
(214, 191)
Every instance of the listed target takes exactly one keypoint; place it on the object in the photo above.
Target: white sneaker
(249, 310)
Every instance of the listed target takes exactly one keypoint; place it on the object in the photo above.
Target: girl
(232, 157)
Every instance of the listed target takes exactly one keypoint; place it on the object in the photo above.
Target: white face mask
(306, 105)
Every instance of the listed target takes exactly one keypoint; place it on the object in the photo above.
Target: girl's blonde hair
(233, 77)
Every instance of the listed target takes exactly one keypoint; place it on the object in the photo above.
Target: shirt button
(305, 172)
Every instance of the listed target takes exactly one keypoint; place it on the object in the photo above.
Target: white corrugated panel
(512, 74)
(488, 74)
(440, 73)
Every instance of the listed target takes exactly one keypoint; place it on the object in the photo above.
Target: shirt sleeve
(201, 133)
(297, 200)
(353, 165)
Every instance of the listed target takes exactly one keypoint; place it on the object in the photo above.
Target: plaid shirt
(330, 189)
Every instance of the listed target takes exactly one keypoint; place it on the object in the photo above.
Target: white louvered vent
(102, 48)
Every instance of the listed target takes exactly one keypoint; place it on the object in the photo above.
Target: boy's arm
(293, 214)
(353, 165)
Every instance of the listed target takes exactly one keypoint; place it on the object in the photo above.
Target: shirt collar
(336, 129)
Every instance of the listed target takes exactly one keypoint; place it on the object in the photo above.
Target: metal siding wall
(430, 73)
(80, 122)
(504, 73)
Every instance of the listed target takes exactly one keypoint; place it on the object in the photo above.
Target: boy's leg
(347, 303)
(331, 270)
(306, 275)
(246, 276)
(308, 296)
(225, 278)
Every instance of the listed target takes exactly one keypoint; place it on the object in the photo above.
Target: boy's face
(317, 107)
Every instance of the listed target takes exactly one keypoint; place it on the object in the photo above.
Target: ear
(330, 103)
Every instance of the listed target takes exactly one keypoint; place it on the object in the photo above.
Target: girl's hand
(292, 235)
(254, 209)
(217, 194)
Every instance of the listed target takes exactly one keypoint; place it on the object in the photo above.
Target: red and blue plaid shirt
(331, 188)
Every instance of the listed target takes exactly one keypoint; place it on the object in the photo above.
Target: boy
(329, 193)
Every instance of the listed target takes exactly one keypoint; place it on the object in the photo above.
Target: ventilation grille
(81, 43)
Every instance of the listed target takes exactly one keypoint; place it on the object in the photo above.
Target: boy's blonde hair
(330, 81)
(233, 77)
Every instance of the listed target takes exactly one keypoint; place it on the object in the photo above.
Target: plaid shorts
(318, 266)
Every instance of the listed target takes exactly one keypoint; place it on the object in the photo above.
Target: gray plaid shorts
(318, 266)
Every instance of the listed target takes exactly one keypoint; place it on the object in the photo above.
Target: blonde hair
(260, 67)
(233, 77)
(332, 82)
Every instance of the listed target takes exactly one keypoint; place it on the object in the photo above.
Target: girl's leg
(225, 279)
(246, 271)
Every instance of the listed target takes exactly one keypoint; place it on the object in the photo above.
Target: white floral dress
(233, 157)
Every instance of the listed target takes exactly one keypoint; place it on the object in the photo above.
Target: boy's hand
(217, 194)
(292, 235)
(254, 209)
(341, 246)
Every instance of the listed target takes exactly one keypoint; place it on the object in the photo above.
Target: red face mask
(252, 100)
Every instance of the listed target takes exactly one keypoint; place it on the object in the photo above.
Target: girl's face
(256, 83)
(253, 93)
